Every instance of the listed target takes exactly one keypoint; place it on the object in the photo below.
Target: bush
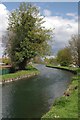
(7, 61)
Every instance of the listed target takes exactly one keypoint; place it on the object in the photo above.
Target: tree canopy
(74, 45)
(64, 57)
(27, 37)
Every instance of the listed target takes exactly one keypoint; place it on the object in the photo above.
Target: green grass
(68, 68)
(73, 69)
(28, 71)
(66, 106)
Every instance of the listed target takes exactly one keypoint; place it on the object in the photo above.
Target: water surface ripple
(33, 97)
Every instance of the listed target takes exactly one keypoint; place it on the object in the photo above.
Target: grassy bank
(71, 69)
(67, 105)
(30, 71)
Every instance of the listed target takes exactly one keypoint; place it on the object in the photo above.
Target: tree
(74, 45)
(37, 60)
(27, 37)
(46, 60)
(50, 61)
(53, 61)
(78, 50)
(64, 57)
(6, 61)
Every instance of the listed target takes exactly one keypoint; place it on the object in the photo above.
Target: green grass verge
(66, 106)
(29, 71)
(73, 69)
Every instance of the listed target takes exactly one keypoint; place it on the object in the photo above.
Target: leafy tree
(37, 60)
(74, 45)
(78, 50)
(46, 60)
(64, 57)
(6, 60)
(27, 36)
(51, 61)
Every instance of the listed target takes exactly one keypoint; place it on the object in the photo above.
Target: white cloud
(3, 17)
(73, 15)
(3, 23)
(64, 28)
(47, 12)
(70, 14)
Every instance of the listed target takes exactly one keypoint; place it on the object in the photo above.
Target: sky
(63, 16)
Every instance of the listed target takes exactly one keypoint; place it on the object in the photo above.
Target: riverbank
(18, 75)
(70, 69)
(67, 105)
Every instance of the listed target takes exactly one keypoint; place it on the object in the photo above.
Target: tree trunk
(22, 65)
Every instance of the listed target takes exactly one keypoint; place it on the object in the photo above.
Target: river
(33, 97)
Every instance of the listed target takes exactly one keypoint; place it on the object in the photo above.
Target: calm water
(33, 97)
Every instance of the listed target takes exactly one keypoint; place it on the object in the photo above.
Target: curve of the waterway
(33, 97)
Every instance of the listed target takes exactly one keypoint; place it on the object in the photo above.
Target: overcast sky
(63, 16)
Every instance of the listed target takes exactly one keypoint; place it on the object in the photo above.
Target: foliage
(50, 61)
(38, 60)
(64, 57)
(27, 36)
(46, 60)
(30, 67)
(0, 59)
(7, 61)
(74, 45)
